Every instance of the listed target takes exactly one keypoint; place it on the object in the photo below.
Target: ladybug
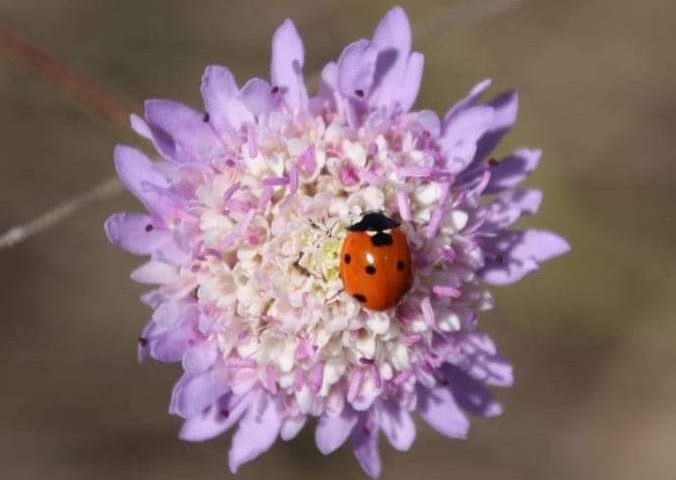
(375, 262)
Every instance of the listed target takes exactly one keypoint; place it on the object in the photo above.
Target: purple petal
(200, 357)
(356, 66)
(286, 69)
(138, 174)
(469, 101)
(397, 425)
(331, 432)
(179, 132)
(198, 392)
(170, 332)
(291, 427)
(257, 96)
(134, 233)
(515, 253)
(460, 134)
(365, 444)
(439, 409)
(257, 431)
(216, 420)
(409, 86)
(512, 170)
(221, 99)
(509, 207)
(470, 394)
(484, 364)
(392, 40)
(506, 106)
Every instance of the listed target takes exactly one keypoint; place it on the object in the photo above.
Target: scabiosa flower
(247, 205)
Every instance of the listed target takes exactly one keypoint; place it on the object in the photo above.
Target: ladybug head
(374, 222)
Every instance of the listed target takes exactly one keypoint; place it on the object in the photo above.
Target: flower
(247, 206)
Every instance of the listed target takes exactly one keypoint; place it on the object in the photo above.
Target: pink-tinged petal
(513, 169)
(291, 427)
(470, 394)
(513, 254)
(438, 408)
(134, 233)
(226, 110)
(180, 133)
(469, 101)
(140, 175)
(365, 444)
(216, 420)
(155, 273)
(332, 432)
(286, 69)
(407, 90)
(257, 96)
(460, 134)
(257, 432)
(397, 425)
(198, 392)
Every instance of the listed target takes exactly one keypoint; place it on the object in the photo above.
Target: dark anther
(206, 117)
(359, 93)
(366, 361)
(401, 265)
(499, 259)
(347, 258)
(142, 341)
(359, 297)
(225, 413)
(370, 269)
(274, 90)
(493, 162)
(149, 228)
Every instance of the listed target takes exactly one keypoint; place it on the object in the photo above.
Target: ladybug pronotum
(375, 262)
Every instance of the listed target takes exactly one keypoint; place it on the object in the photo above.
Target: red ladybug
(375, 262)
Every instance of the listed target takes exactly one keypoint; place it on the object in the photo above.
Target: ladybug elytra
(375, 262)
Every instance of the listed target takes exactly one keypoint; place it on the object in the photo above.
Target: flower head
(247, 206)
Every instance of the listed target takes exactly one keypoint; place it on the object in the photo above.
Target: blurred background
(591, 335)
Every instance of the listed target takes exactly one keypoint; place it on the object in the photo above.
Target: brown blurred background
(591, 335)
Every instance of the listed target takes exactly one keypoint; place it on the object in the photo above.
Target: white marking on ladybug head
(370, 259)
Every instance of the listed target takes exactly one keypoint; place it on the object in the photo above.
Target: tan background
(591, 335)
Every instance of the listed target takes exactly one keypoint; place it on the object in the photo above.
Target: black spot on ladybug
(149, 228)
(374, 222)
(370, 269)
(206, 117)
(142, 341)
(347, 258)
(359, 297)
(401, 265)
(381, 239)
